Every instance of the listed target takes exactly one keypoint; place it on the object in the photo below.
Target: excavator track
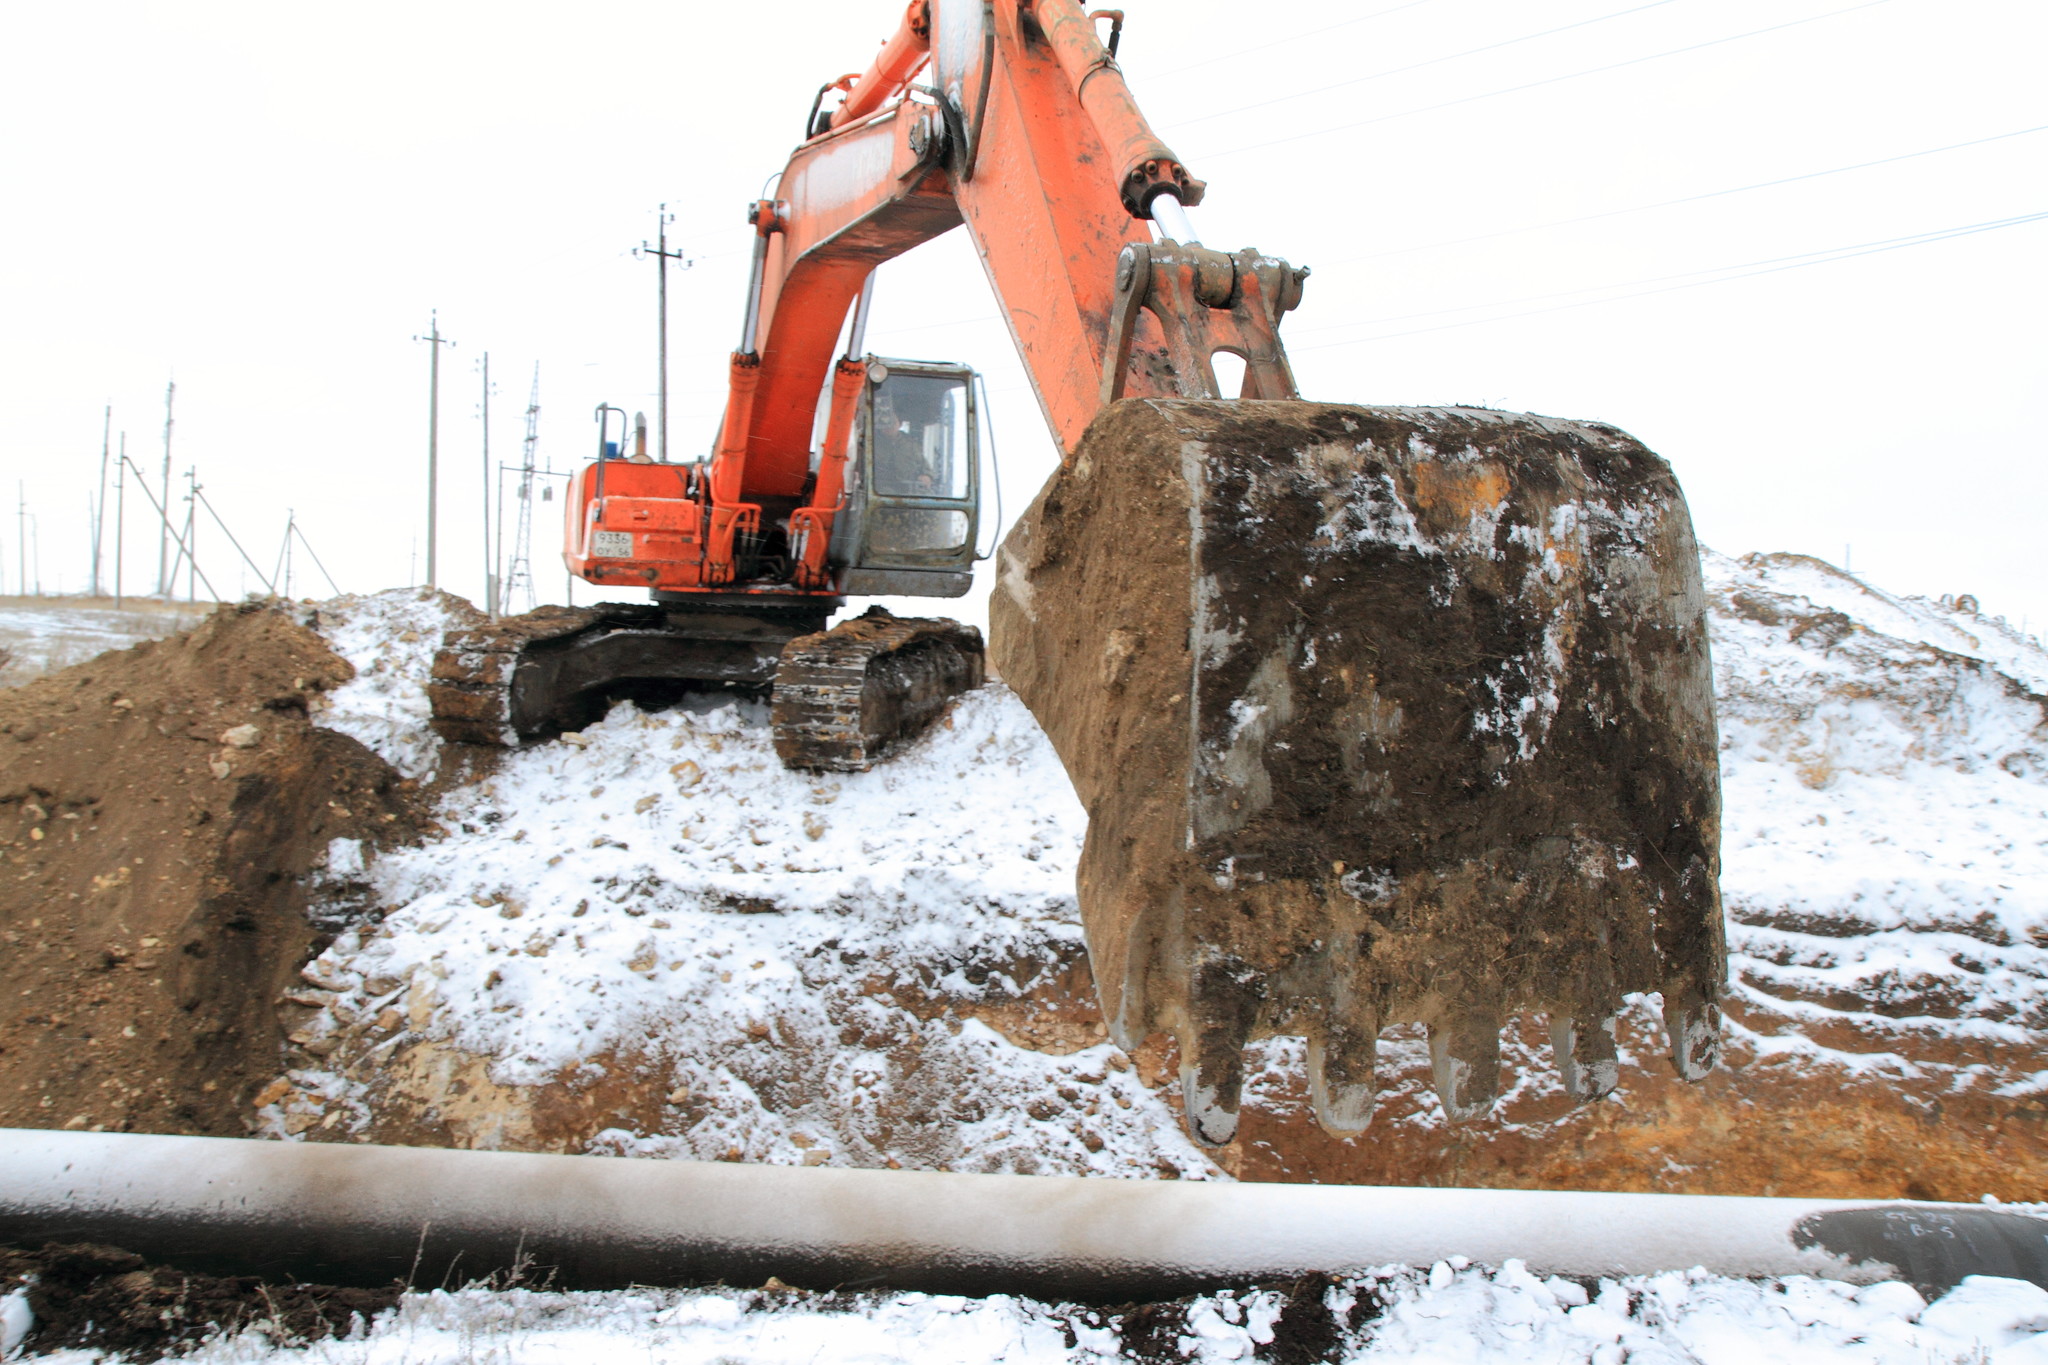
(560, 668)
(844, 697)
(470, 687)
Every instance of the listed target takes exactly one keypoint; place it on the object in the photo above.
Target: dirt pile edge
(161, 809)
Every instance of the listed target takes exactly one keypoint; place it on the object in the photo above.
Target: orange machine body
(1020, 126)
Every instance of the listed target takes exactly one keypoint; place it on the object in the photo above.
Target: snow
(1885, 789)
(15, 1321)
(657, 891)
(390, 638)
(657, 895)
(1456, 1315)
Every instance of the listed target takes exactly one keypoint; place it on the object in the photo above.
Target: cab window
(919, 437)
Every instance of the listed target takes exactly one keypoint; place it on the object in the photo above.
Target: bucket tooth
(1693, 1024)
(1211, 1090)
(1586, 1058)
(1464, 1062)
(1342, 1086)
(1344, 1051)
(1222, 1002)
(1429, 681)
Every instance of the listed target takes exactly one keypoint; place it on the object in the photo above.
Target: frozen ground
(657, 895)
(1885, 842)
(41, 634)
(1456, 1316)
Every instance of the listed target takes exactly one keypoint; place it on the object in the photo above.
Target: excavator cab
(912, 503)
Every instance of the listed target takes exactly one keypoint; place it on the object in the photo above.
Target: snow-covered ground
(1455, 1315)
(390, 638)
(1885, 843)
(656, 901)
(657, 897)
(41, 634)
(658, 892)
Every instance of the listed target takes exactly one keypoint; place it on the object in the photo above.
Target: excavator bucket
(1380, 715)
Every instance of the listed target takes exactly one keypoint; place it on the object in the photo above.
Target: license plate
(612, 544)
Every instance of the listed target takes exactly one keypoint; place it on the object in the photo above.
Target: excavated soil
(1771, 1126)
(161, 809)
(89, 1297)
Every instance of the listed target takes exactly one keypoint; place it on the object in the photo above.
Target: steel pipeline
(355, 1214)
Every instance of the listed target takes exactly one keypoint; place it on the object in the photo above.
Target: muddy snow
(649, 938)
(1451, 1312)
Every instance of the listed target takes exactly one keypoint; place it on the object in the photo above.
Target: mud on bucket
(1379, 715)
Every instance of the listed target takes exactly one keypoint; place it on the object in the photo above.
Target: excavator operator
(917, 454)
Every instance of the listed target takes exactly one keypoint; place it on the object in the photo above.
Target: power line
(1417, 66)
(1548, 80)
(1237, 53)
(1684, 199)
(1552, 223)
(1747, 267)
(1856, 247)
(1721, 275)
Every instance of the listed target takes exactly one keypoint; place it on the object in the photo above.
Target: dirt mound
(104, 1299)
(160, 811)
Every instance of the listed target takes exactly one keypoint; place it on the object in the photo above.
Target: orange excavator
(1380, 715)
(836, 474)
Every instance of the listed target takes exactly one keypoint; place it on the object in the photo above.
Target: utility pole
(662, 256)
(120, 514)
(163, 535)
(192, 533)
(99, 516)
(21, 533)
(518, 576)
(490, 561)
(436, 342)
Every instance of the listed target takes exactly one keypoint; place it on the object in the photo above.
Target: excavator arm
(1020, 110)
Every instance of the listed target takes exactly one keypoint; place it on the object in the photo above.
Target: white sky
(264, 202)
